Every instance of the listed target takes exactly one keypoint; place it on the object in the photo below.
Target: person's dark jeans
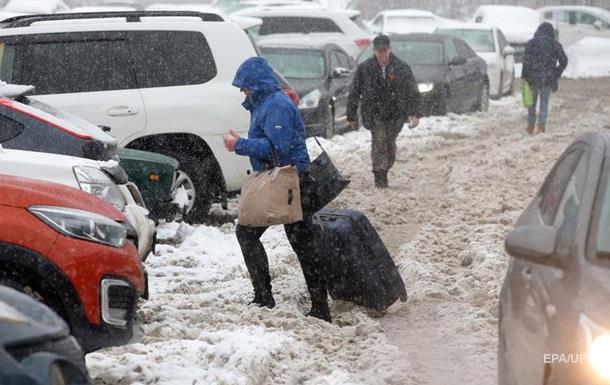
(301, 237)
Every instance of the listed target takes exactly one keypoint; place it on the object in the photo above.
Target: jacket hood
(257, 75)
(545, 30)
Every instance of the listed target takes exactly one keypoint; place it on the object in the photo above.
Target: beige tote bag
(271, 197)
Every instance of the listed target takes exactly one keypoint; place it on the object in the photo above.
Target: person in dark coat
(543, 63)
(276, 129)
(386, 91)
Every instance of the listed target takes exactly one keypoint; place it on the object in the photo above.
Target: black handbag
(322, 184)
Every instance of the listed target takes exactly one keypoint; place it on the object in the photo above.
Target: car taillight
(292, 94)
(362, 43)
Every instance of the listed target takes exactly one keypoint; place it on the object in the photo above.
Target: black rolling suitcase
(358, 266)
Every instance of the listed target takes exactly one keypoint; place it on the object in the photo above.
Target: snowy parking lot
(458, 186)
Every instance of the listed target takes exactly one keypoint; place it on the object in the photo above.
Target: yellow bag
(527, 96)
(271, 197)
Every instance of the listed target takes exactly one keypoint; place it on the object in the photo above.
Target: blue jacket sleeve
(278, 129)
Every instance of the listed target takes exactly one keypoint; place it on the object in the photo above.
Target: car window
(464, 50)
(567, 210)
(452, 52)
(7, 62)
(77, 66)
(171, 58)
(335, 61)
(552, 193)
(345, 61)
(9, 129)
(294, 24)
(296, 64)
(502, 40)
(585, 18)
(478, 40)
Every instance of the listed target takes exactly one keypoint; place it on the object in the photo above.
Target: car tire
(500, 85)
(511, 89)
(483, 103)
(7, 279)
(192, 176)
(329, 122)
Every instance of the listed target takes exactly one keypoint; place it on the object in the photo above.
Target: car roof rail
(130, 16)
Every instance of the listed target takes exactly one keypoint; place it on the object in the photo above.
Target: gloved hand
(353, 124)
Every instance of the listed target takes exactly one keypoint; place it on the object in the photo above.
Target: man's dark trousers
(383, 145)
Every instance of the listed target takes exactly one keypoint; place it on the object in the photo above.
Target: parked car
(36, 347)
(334, 26)
(68, 249)
(36, 6)
(573, 22)
(518, 23)
(450, 75)
(554, 325)
(102, 179)
(163, 85)
(489, 43)
(321, 74)
(402, 21)
(48, 129)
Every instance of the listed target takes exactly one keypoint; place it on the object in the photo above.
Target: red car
(68, 249)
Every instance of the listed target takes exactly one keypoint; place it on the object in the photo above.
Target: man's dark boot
(381, 179)
(321, 311)
(265, 300)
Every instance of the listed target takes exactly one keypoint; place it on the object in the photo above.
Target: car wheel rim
(185, 184)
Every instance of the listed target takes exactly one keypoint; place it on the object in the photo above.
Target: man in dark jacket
(386, 90)
(543, 63)
(276, 129)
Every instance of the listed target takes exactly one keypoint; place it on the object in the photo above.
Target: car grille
(120, 297)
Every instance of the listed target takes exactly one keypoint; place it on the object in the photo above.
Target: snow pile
(589, 57)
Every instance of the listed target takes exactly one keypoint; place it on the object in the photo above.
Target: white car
(401, 21)
(87, 175)
(335, 26)
(162, 84)
(517, 23)
(573, 23)
(36, 6)
(489, 43)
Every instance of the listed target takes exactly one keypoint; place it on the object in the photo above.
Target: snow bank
(589, 57)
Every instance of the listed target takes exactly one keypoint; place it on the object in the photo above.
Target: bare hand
(413, 121)
(353, 124)
(230, 140)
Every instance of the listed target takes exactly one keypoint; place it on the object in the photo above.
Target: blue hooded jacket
(275, 122)
(544, 60)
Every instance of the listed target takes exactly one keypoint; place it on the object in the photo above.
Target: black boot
(381, 179)
(264, 300)
(321, 311)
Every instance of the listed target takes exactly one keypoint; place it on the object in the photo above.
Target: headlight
(425, 87)
(598, 346)
(311, 100)
(81, 224)
(96, 182)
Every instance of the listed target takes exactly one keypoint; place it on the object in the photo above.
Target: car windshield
(478, 40)
(406, 24)
(296, 64)
(412, 52)
(602, 240)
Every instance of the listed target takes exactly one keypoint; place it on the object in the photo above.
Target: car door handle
(121, 111)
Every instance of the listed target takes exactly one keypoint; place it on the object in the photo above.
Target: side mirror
(598, 25)
(533, 243)
(508, 50)
(104, 128)
(458, 61)
(340, 72)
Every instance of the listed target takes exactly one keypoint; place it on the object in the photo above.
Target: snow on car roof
(408, 13)
(456, 24)
(296, 11)
(34, 6)
(584, 8)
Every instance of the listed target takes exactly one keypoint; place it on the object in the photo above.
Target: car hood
(147, 157)
(305, 86)
(428, 73)
(24, 192)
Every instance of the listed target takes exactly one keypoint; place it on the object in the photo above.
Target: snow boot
(530, 128)
(541, 128)
(263, 300)
(320, 311)
(381, 179)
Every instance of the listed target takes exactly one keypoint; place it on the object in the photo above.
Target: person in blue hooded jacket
(543, 63)
(276, 129)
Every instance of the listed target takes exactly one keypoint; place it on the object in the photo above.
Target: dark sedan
(320, 73)
(554, 310)
(450, 75)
